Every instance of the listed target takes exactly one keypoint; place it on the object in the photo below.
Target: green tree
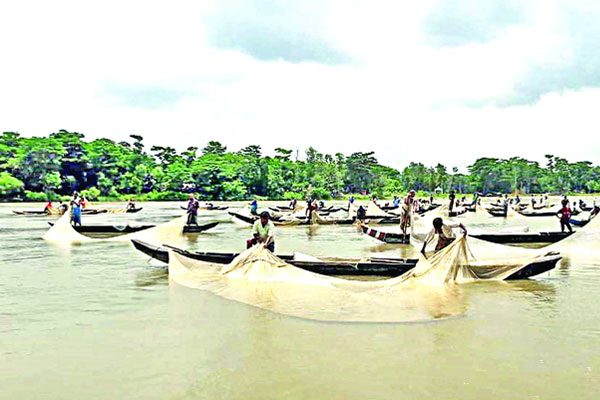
(9, 184)
(214, 147)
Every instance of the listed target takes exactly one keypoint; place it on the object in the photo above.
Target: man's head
(264, 217)
(412, 193)
(437, 223)
(191, 196)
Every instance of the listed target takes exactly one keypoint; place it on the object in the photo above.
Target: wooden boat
(372, 266)
(209, 208)
(85, 211)
(387, 237)
(118, 230)
(30, 212)
(303, 220)
(495, 213)
(501, 238)
(94, 211)
(540, 237)
(383, 221)
(456, 213)
(537, 213)
(323, 212)
(579, 222)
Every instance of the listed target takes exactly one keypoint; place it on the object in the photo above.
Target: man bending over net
(445, 234)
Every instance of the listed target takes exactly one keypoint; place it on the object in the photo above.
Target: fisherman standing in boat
(565, 214)
(444, 232)
(191, 200)
(254, 207)
(407, 211)
(451, 197)
(192, 212)
(263, 231)
(361, 213)
(76, 210)
(311, 207)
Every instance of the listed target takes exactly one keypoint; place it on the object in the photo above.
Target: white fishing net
(259, 278)
(63, 232)
(374, 211)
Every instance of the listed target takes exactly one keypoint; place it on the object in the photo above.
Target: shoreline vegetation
(40, 168)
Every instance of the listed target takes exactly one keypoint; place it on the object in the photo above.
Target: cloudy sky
(430, 81)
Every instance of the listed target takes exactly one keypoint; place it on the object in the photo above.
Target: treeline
(55, 166)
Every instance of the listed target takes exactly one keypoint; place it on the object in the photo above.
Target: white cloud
(119, 68)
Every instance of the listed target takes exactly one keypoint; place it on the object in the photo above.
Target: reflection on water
(100, 321)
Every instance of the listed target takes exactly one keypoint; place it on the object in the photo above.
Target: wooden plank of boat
(386, 237)
(199, 228)
(579, 222)
(241, 217)
(93, 211)
(384, 221)
(115, 229)
(541, 237)
(250, 220)
(495, 213)
(537, 213)
(208, 208)
(29, 212)
(369, 267)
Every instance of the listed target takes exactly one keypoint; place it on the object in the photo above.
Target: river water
(100, 321)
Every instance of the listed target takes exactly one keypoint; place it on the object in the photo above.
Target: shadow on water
(563, 266)
(153, 276)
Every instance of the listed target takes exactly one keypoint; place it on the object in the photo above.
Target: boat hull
(375, 267)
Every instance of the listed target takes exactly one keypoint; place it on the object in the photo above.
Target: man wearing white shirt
(263, 231)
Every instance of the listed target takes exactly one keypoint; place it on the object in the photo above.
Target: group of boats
(332, 215)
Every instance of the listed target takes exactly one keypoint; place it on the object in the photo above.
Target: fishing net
(259, 278)
(63, 232)
(374, 211)
(316, 219)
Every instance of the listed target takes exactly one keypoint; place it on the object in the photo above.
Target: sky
(429, 81)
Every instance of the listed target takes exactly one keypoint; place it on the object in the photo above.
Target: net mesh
(259, 278)
(63, 232)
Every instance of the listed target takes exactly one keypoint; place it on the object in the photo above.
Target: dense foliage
(63, 162)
